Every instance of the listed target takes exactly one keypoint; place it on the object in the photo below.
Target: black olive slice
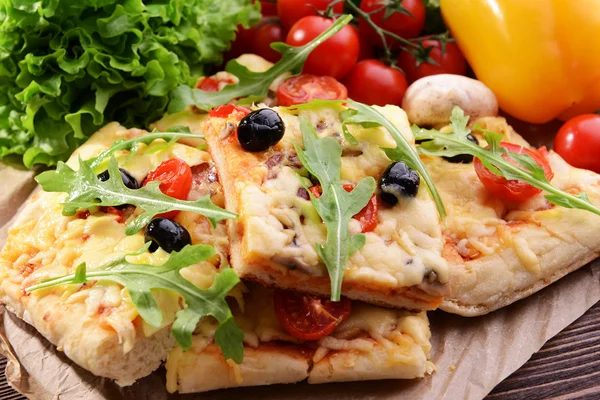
(260, 130)
(398, 181)
(166, 234)
(128, 180)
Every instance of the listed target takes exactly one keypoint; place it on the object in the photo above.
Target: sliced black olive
(398, 181)
(128, 180)
(260, 130)
(166, 234)
(463, 158)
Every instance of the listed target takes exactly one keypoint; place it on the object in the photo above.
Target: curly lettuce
(68, 67)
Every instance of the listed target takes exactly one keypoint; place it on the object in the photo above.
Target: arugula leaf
(526, 170)
(335, 206)
(170, 136)
(250, 83)
(141, 279)
(85, 190)
(369, 117)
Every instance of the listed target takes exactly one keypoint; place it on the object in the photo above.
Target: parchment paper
(472, 354)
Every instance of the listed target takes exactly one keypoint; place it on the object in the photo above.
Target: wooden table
(567, 367)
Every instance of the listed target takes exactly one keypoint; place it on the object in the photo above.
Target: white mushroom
(429, 101)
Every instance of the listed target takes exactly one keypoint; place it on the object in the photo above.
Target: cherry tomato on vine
(175, 177)
(450, 62)
(578, 142)
(374, 83)
(513, 190)
(307, 317)
(335, 57)
(305, 88)
(265, 34)
(290, 11)
(241, 44)
(399, 23)
(365, 48)
(268, 8)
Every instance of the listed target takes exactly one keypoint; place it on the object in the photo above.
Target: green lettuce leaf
(68, 67)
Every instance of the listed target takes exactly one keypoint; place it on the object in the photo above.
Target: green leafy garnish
(85, 190)
(493, 158)
(335, 206)
(369, 117)
(141, 279)
(250, 83)
(67, 67)
(132, 145)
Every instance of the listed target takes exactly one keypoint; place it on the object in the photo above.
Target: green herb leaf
(132, 145)
(250, 83)
(526, 169)
(85, 190)
(141, 279)
(335, 206)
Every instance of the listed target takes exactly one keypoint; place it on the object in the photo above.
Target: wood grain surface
(567, 367)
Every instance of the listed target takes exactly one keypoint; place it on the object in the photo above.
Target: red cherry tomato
(268, 8)
(307, 317)
(450, 62)
(305, 87)
(406, 26)
(241, 44)
(578, 142)
(226, 110)
(265, 34)
(290, 11)
(175, 177)
(367, 216)
(513, 190)
(365, 48)
(335, 57)
(373, 82)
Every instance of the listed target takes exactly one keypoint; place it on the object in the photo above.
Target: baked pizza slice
(371, 343)
(279, 237)
(502, 250)
(97, 324)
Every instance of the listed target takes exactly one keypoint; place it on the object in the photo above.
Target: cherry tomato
(578, 142)
(307, 317)
(212, 83)
(335, 57)
(305, 87)
(290, 11)
(365, 48)
(265, 34)
(450, 62)
(226, 110)
(268, 8)
(513, 190)
(175, 177)
(241, 44)
(373, 82)
(367, 216)
(406, 26)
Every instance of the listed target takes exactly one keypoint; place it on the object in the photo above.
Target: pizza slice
(96, 324)
(372, 343)
(275, 239)
(501, 251)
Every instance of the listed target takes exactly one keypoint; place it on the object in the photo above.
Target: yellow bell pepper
(540, 57)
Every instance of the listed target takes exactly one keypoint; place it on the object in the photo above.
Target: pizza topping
(141, 280)
(260, 130)
(228, 109)
(175, 177)
(397, 182)
(307, 317)
(305, 87)
(498, 159)
(166, 234)
(463, 158)
(512, 190)
(128, 180)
